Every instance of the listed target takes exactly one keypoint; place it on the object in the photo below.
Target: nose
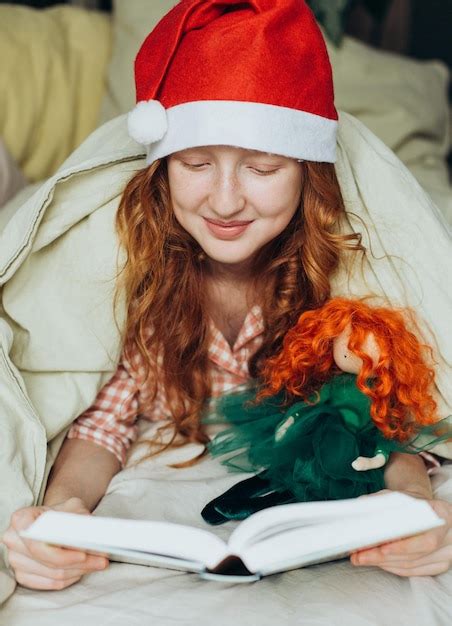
(226, 195)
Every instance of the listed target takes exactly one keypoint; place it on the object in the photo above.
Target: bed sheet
(320, 595)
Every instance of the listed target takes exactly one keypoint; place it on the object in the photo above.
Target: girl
(231, 232)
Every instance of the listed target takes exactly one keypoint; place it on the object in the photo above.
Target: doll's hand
(427, 554)
(364, 463)
(39, 566)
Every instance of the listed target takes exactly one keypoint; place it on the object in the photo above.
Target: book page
(336, 538)
(282, 518)
(136, 557)
(113, 535)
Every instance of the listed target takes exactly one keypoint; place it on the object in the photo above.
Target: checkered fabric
(112, 420)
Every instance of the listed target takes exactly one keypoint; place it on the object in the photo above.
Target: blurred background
(67, 67)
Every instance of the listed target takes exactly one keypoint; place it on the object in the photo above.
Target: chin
(228, 257)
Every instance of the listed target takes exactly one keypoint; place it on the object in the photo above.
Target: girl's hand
(39, 566)
(427, 554)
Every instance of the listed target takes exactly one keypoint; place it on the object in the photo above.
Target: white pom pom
(147, 122)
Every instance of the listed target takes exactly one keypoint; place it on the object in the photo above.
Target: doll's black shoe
(243, 499)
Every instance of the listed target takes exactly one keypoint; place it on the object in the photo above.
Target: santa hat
(253, 74)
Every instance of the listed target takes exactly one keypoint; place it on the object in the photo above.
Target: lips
(228, 224)
(227, 230)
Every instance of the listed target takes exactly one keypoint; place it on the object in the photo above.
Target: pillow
(52, 81)
(404, 102)
(132, 22)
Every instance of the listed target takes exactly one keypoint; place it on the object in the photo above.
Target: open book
(273, 540)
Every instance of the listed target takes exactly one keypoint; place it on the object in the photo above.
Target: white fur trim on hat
(251, 125)
(147, 122)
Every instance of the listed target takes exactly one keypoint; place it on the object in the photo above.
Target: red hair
(163, 283)
(398, 385)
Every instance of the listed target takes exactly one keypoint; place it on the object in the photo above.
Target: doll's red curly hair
(399, 386)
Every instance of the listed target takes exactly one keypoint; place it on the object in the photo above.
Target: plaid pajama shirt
(111, 421)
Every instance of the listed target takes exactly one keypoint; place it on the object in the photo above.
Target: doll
(350, 385)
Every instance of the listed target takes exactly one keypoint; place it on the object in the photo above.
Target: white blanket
(321, 595)
(59, 344)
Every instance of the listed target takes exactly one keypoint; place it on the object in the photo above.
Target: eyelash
(264, 172)
(255, 169)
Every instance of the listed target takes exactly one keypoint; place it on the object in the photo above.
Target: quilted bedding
(320, 595)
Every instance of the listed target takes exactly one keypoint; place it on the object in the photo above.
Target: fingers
(422, 567)
(52, 556)
(424, 543)
(425, 554)
(32, 581)
(13, 541)
(40, 566)
(398, 560)
(406, 561)
(21, 562)
(23, 518)
(441, 556)
(57, 557)
(431, 569)
(48, 555)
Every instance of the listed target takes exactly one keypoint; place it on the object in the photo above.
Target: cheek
(279, 201)
(278, 208)
(186, 199)
(183, 192)
(272, 223)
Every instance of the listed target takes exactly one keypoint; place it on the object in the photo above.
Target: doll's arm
(382, 452)
(380, 458)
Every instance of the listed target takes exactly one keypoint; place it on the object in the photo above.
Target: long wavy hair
(163, 281)
(399, 384)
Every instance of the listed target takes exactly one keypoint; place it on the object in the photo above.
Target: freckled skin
(232, 184)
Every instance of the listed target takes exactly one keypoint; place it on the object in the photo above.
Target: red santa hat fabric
(251, 74)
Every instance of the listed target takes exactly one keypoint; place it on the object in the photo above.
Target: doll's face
(346, 360)
(233, 201)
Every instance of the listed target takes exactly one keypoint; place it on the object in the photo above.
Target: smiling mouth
(227, 230)
(228, 224)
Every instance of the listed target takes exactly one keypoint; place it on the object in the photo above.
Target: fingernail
(363, 558)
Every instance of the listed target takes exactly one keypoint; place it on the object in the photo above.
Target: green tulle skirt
(303, 452)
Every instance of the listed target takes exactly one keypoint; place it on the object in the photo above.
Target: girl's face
(233, 201)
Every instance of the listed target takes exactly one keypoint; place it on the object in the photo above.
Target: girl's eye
(264, 172)
(193, 166)
(198, 166)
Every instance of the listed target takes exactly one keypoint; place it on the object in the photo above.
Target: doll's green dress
(302, 452)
